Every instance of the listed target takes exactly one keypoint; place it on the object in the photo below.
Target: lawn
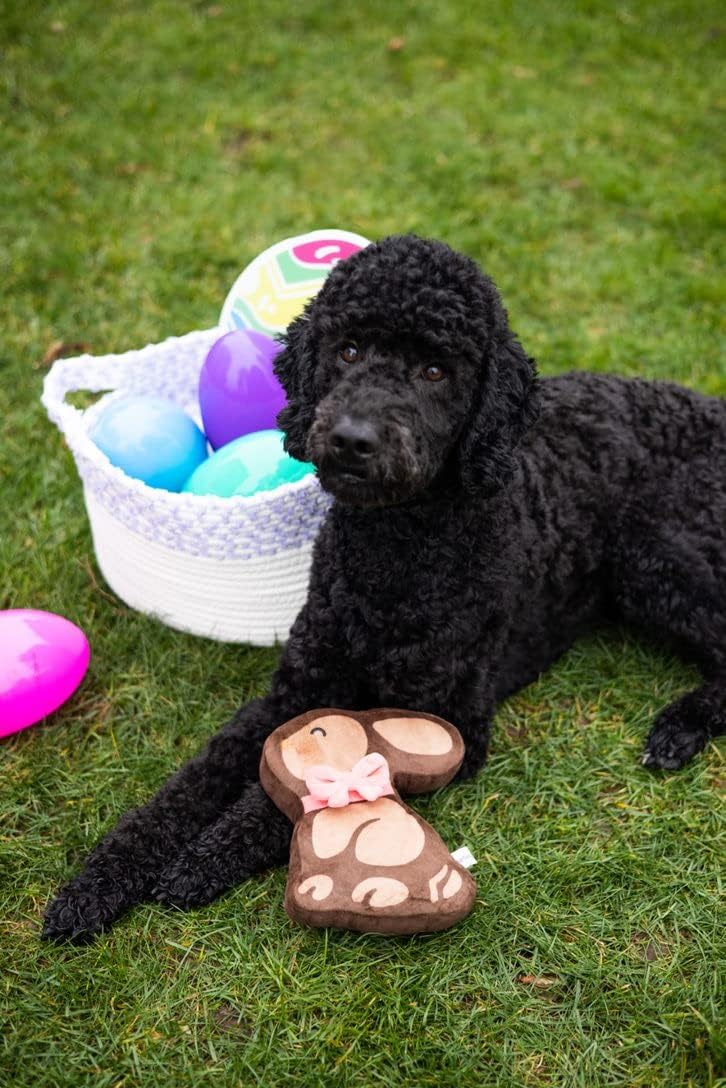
(149, 151)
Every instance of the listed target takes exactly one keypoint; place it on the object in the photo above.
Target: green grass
(148, 151)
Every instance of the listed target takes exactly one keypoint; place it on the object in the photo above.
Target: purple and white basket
(230, 569)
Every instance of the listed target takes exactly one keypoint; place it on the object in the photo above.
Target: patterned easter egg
(274, 288)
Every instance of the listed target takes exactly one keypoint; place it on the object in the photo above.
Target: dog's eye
(433, 374)
(317, 729)
(348, 353)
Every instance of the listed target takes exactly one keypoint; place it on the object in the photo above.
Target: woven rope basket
(230, 569)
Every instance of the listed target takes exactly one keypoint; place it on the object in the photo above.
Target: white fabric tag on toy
(464, 857)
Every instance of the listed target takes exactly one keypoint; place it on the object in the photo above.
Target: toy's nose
(353, 440)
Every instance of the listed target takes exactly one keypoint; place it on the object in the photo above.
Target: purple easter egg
(43, 658)
(238, 391)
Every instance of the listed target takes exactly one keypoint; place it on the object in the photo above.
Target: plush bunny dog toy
(359, 858)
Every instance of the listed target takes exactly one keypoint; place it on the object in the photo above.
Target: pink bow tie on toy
(366, 781)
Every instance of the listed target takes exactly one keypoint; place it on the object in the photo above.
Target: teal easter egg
(151, 439)
(255, 462)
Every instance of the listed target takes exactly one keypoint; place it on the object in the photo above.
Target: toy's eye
(348, 353)
(433, 374)
(317, 729)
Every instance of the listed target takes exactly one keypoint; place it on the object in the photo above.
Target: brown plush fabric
(372, 865)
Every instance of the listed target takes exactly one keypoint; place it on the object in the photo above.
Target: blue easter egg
(151, 439)
(255, 462)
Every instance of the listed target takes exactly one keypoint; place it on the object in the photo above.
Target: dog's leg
(127, 863)
(251, 835)
(674, 587)
(123, 867)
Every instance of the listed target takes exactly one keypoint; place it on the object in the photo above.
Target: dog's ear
(507, 405)
(295, 369)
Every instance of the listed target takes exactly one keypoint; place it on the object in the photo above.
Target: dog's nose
(353, 439)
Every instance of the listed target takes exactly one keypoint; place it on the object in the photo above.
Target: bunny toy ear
(423, 751)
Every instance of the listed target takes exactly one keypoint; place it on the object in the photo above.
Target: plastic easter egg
(238, 391)
(43, 658)
(252, 463)
(274, 288)
(151, 439)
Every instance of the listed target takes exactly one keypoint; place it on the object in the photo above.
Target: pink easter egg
(43, 658)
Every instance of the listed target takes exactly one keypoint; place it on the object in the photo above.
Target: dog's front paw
(187, 882)
(83, 909)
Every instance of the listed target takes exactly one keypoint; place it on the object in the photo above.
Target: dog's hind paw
(680, 732)
(669, 751)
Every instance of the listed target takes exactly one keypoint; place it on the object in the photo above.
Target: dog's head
(403, 371)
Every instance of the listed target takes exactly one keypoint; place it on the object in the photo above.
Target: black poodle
(482, 521)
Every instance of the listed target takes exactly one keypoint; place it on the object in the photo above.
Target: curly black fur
(483, 520)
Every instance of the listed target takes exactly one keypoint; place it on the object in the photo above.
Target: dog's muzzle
(352, 444)
(363, 457)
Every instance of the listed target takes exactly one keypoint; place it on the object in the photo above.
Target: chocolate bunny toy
(360, 858)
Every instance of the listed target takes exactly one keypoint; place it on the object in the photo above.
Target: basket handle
(98, 373)
(83, 372)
